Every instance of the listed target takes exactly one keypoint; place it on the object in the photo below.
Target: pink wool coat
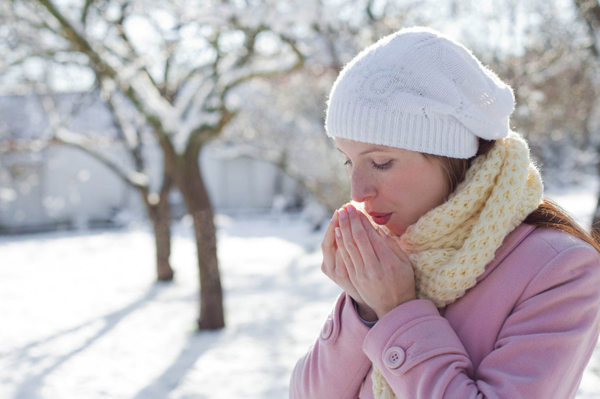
(526, 330)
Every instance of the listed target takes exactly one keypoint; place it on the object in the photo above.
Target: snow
(83, 318)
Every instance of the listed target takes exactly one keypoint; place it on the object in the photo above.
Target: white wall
(65, 185)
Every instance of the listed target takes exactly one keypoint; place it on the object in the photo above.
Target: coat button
(393, 357)
(327, 329)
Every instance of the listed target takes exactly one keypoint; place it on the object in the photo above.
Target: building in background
(63, 187)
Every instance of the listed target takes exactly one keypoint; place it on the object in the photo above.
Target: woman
(459, 279)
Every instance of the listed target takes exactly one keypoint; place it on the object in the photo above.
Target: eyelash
(384, 166)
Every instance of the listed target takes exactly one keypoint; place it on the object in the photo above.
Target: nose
(362, 186)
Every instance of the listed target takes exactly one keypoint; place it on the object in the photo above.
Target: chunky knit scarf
(450, 245)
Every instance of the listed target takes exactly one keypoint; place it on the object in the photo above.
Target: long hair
(548, 214)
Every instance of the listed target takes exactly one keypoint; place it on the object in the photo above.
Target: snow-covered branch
(85, 10)
(80, 141)
(128, 130)
(273, 68)
(137, 86)
(77, 140)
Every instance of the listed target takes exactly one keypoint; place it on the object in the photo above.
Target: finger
(377, 235)
(344, 253)
(362, 237)
(348, 241)
(328, 248)
(340, 265)
(378, 240)
(328, 244)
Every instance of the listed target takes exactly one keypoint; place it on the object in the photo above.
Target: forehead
(347, 145)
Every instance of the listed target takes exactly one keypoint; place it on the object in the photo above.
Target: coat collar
(508, 245)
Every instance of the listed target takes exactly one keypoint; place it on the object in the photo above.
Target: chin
(395, 230)
(391, 228)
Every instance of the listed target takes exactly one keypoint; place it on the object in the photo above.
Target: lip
(380, 218)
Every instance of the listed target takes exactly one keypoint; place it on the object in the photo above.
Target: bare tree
(130, 133)
(181, 85)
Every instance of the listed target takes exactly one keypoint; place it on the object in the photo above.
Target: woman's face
(397, 186)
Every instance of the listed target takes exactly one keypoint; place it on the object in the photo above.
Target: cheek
(433, 187)
(419, 190)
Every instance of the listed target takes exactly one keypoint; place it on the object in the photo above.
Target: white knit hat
(419, 90)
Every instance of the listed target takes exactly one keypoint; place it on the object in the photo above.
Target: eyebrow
(376, 149)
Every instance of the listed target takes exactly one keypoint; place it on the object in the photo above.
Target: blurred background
(165, 177)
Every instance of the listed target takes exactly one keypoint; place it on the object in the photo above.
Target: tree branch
(77, 140)
(128, 132)
(165, 85)
(84, 12)
(249, 42)
(135, 179)
(266, 74)
(123, 35)
(102, 67)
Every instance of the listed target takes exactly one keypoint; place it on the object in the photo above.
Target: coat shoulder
(529, 249)
(556, 240)
(554, 253)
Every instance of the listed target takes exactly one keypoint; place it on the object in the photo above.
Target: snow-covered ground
(82, 318)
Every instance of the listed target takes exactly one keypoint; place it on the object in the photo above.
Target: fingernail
(342, 214)
(338, 233)
(351, 210)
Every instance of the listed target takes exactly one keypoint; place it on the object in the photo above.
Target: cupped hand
(378, 269)
(334, 267)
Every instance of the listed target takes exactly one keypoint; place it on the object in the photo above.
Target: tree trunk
(198, 204)
(162, 236)
(161, 222)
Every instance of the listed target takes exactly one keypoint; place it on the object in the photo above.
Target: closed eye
(378, 166)
(383, 166)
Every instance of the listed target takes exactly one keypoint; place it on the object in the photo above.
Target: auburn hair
(548, 214)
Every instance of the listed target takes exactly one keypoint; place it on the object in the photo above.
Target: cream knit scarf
(450, 245)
